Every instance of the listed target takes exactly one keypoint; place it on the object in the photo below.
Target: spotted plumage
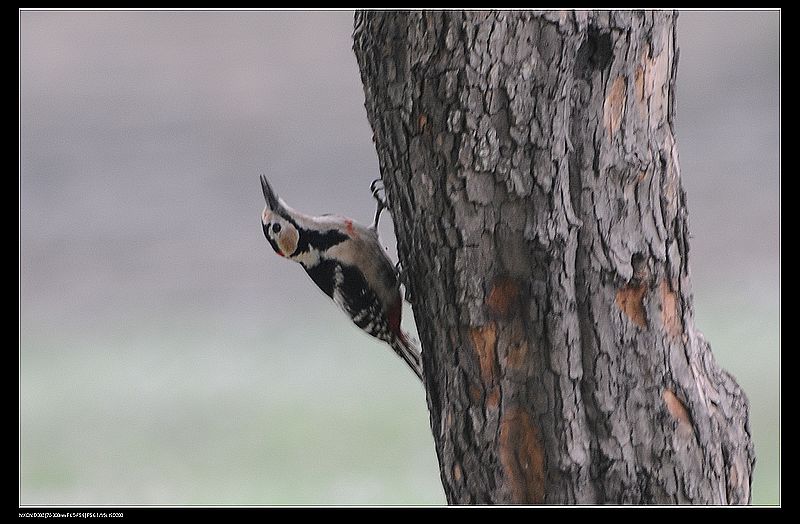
(347, 262)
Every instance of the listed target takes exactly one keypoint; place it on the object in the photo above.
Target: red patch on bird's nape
(349, 227)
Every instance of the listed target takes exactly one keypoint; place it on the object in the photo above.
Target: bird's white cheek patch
(287, 241)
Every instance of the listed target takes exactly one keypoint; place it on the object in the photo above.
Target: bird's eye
(276, 228)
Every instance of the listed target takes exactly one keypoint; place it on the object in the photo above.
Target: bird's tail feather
(410, 354)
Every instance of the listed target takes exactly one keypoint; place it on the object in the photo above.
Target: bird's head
(280, 230)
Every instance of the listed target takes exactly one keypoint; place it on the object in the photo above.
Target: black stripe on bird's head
(286, 236)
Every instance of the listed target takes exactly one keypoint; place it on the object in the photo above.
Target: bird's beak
(269, 195)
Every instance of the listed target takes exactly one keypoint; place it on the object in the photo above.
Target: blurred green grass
(213, 418)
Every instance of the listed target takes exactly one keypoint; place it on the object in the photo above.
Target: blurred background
(167, 356)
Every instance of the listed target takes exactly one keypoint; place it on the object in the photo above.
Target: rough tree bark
(531, 167)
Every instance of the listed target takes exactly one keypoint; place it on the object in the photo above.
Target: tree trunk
(531, 168)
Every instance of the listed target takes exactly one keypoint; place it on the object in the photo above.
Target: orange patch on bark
(484, 340)
(517, 356)
(670, 316)
(475, 393)
(522, 456)
(676, 408)
(630, 299)
(423, 119)
(457, 473)
(502, 296)
(614, 105)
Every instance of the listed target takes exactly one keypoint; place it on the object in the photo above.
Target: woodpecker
(347, 262)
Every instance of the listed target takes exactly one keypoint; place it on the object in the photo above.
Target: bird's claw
(376, 187)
